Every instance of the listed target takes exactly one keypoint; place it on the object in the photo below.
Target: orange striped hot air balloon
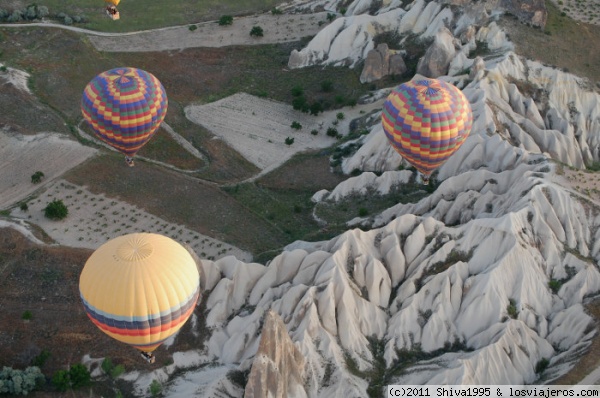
(124, 107)
(426, 121)
(140, 289)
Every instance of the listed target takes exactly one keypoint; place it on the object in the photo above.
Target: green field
(148, 14)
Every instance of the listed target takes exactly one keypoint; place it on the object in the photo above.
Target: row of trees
(29, 13)
(22, 382)
(34, 12)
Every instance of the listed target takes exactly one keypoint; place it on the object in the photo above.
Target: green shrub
(296, 126)
(110, 369)
(60, 380)
(225, 20)
(541, 365)
(56, 210)
(23, 206)
(316, 108)
(297, 91)
(79, 376)
(332, 132)
(41, 358)
(27, 315)
(192, 28)
(155, 388)
(340, 116)
(362, 212)
(36, 177)
(256, 31)
(314, 131)
(289, 141)
(276, 11)
(299, 103)
(512, 309)
(20, 382)
(330, 16)
(554, 285)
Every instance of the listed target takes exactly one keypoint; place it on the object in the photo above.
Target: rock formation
(382, 62)
(533, 12)
(278, 366)
(438, 56)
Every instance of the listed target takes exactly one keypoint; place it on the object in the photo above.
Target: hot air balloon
(426, 121)
(140, 289)
(111, 9)
(124, 107)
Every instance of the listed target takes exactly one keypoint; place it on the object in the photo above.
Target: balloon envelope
(140, 288)
(124, 107)
(426, 121)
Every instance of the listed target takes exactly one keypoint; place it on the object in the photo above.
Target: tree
(30, 12)
(256, 31)
(16, 16)
(289, 141)
(56, 210)
(79, 375)
(20, 382)
(155, 388)
(225, 20)
(60, 380)
(36, 177)
(315, 108)
(297, 91)
(300, 104)
(42, 11)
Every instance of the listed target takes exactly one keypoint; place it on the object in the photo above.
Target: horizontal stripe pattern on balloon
(426, 121)
(124, 107)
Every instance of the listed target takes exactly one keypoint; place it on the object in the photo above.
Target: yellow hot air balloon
(140, 289)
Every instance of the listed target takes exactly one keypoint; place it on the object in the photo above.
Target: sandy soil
(587, 11)
(258, 128)
(276, 29)
(94, 219)
(21, 156)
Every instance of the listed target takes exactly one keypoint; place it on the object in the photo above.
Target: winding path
(276, 28)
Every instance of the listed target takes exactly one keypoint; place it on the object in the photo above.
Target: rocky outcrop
(278, 367)
(533, 12)
(382, 62)
(436, 60)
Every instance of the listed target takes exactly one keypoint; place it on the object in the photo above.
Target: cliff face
(278, 366)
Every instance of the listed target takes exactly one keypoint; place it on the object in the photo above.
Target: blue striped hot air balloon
(124, 107)
(426, 121)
